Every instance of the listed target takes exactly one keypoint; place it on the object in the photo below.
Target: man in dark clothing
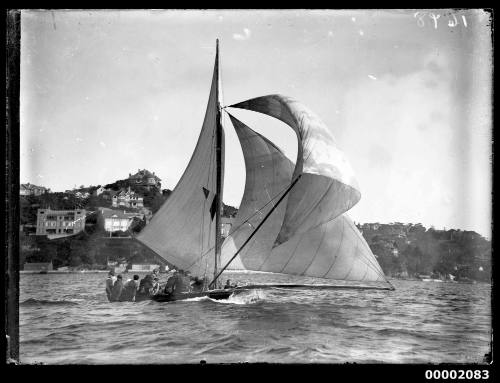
(171, 282)
(197, 285)
(182, 283)
(156, 273)
(229, 285)
(146, 284)
(117, 289)
(109, 283)
(129, 290)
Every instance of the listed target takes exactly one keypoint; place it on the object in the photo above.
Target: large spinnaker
(183, 230)
(268, 174)
(323, 242)
(328, 186)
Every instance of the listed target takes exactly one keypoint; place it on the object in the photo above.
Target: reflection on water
(66, 318)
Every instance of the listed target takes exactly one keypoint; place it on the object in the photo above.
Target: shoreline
(228, 271)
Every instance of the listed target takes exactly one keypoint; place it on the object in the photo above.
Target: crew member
(197, 285)
(181, 282)
(170, 285)
(146, 284)
(117, 289)
(110, 280)
(130, 290)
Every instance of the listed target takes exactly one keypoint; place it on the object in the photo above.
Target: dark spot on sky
(434, 67)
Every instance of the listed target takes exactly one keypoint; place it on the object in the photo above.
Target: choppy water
(66, 318)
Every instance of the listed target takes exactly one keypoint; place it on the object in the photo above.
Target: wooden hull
(213, 294)
(226, 293)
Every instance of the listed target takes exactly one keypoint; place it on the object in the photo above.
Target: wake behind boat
(291, 218)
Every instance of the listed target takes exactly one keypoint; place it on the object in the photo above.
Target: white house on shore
(118, 220)
(143, 268)
(127, 198)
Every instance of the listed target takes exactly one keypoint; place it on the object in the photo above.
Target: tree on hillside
(228, 210)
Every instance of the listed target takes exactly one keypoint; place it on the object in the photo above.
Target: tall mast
(218, 162)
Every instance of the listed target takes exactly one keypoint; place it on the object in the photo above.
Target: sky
(407, 95)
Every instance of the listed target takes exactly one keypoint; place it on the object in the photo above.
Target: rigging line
(258, 211)
(202, 224)
(364, 275)
(316, 204)
(263, 206)
(201, 257)
(338, 249)
(221, 88)
(350, 270)
(255, 231)
(210, 177)
(292, 255)
(370, 265)
(212, 145)
(317, 250)
(370, 262)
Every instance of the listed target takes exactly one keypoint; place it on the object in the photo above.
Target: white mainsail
(183, 230)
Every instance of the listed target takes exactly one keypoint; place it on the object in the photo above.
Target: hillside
(407, 250)
(403, 250)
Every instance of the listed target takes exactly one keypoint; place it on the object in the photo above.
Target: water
(66, 318)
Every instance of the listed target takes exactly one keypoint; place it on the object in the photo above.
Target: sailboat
(291, 218)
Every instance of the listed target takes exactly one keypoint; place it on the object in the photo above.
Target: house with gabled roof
(127, 198)
(145, 178)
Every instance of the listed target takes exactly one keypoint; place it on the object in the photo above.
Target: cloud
(397, 136)
(102, 144)
(245, 36)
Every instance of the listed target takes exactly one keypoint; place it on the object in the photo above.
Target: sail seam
(338, 249)
(258, 211)
(366, 272)
(317, 251)
(331, 218)
(369, 262)
(269, 153)
(317, 203)
(350, 270)
(293, 254)
(201, 257)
